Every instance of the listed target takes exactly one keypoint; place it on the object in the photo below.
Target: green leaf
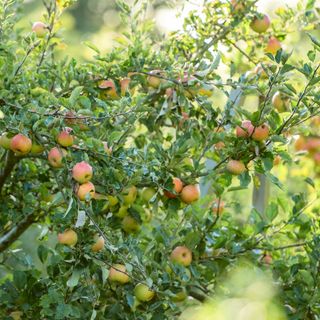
(74, 279)
(75, 94)
(42, 253)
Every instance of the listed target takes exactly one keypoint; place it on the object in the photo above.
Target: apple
(219, 145)
(109, 89)
(236, 167)
(143, 293)
(16, 315)
(82, 172)
(260, 133)
(245, 130)
(218, 207)
(124, 86)
(181, 255)
(107, 149)
(55, 157)
(40, 29)
(300, 144)
(130, 195)
(85, 191)
(273, 46)
(237, 5)
(112, 200)
(98, 245)
(260, 23)
(122, 212)
(267, 259)
(64, 138)
(68, 237)
(20, 144)
(313, 144)
(153, 78)
(5, 141)
(118, 273)
(190, 193)
(276, 160)
(280, 101)
(147, 194)
(36, 148)
(177, 187)
(130, 225)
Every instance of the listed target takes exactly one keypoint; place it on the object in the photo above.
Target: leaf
(42, 253)
(74, 279)
(314, 40)
(310, 182)
(81, 219)
(75, 94)
(69, 207)
(91, 46)
(272, 211)
(93, 315)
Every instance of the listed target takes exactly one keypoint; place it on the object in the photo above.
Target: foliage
(157, 132)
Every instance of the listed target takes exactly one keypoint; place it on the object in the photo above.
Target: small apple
(218, 207)
(177, 187)
(64, 138)
(300, 144)
(68, 237)
(118, 273)
(143, 293)
(129, 195)
(267, 259)
(260, 23)
(280, 101)
(98, 245)
(260, 133)
(316, 159)
(219, 145)
(40, 29)
(130, 225)
(113, 200)
(237, 5)
(109, 89)
(36, 148)
(85, 191)
(313, 144)
(245, 130)
(55, 157)
(5, 141)
(277, 160)
(154, 79)
(181, 255)
(147, 194)
(124, 86)
(190, 193)
(273, 46)
(236, 167)
(82, 172)
(122, 212)
(20, 144)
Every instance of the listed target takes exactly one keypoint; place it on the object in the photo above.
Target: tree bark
(10, 161)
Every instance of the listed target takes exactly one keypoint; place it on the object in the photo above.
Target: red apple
(82, 172)
(64, 138)
(68, 237)
(261, 133)
(190, 193)
(20, 144)
(181, 255)
(177, 187)
(55, 157)
(245, 130)
(273, 46)
(260, 23)
(236, 167)
(85, 191)
(109, 88)
(98, 245)
(40, 29)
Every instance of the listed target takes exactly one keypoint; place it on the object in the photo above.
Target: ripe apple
(237, 5)
(316, 159)
(236, 167)
(267, 259)
(277, 160)
(85, 191)
(313, 144)
(65, 139)
(260, 23)
(273, 46)
(300, 144)
(68, 237)
(98, 245)
(109, 89)
(260, 133)
(129, 195)
(40, 29)
(130, 225)
(118, 273)
(219, 145)
(5, 141)
(20, 144)
(107, 149)
(190, 193)
(82, 172)
(245, 130)
(55, 157)
(143, 293)
(154, 80)
(147, 194)
(181, 255)
(124, 86)
(218, 207)
(177, 187)
(280, 101)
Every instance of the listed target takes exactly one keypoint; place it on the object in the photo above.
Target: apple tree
(136, 167)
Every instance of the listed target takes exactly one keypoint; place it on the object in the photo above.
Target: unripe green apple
(5, 141)
(16, 315)
(129, 195)
(36, 148)
(65, 139)
(261, 133)
(130, 225)
(180, 296)
(86, 191)
(245, 130)
(177, 187)
(68, 237)
(190, 193)
(260, 24)
(122, 212)
(55, 157)
(181, 255)
(82, 172)
(153, 79)
(281, 102)
(113, 200)
(236, 167)
(147, 194)
(40, 29)
(20, 144)
(273, 46)
(118, 273)
(98, 245)
(143, 293)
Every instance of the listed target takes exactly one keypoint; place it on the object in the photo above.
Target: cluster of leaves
(156, 133)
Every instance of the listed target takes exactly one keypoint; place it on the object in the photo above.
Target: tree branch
(10, 162)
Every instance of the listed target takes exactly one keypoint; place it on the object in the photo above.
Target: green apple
(143, 293)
